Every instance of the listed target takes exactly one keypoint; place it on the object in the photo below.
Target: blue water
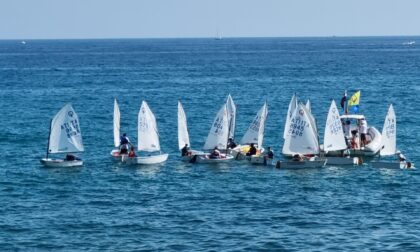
(178, 206)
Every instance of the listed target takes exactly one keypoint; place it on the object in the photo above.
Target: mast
(48, 143)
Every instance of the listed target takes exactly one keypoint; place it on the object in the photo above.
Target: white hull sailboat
(148, 140)
(183, 135)
(301, 140)
(389, 143)
(115, 153)
(64, 137)
(217, 137)
(254, 135)
(334, 139)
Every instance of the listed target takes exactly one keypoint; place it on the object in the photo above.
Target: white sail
(183, 136)
(117, 118)
(308, 106)
(219, 131)
(301, 136)
(389, 133)
(231, 108)
(255, 132)
(334, 136)
(148, 138)
(65, 135)
(292, 106)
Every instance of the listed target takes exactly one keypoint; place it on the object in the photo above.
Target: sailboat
(389, 142)
(301, 139)
(334, 139)
(148, 139)
(183, 135)
(115, 153)
(217, 137)
(64, 137)
(254, 135)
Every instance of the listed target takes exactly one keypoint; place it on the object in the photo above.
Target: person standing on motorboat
(124, 142)
(363, 132)
(347, 131)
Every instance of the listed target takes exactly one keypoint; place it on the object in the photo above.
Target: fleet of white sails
(300, 132)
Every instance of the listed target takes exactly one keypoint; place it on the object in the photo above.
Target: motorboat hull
(50, 162)
(343, 161)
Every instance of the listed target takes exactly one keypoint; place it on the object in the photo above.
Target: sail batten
(117, 118)
(65, 135)
(148, 137)
(183, 135)
(389, 133)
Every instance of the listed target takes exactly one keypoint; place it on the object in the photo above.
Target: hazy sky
(23, 19)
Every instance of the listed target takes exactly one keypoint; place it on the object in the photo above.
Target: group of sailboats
(301, 139)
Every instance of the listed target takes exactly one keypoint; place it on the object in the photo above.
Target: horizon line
(211, 37)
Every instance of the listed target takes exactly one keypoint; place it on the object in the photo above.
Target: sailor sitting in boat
(185, 151)
(297, 158)
(71, 157)
(400, 156)
(252, 151)
(231, 144)
(215, 153)
(132, 152)
(124, 142)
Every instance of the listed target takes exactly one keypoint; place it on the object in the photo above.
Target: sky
(73, 19)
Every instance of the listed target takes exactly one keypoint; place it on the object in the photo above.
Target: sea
(177, 206)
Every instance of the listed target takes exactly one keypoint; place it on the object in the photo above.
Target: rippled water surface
(179, 206)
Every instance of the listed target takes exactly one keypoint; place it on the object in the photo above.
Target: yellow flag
(354, 99)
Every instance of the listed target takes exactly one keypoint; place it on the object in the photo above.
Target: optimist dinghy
(334, 139)
(148, 139)
(389, 142)
(301, 139)
(115, 153)
(254, 135)
(183, 135)
(64, 137)
(217, 137)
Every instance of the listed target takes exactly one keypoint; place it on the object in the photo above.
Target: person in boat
(400, 156)
(297, 158)
(71, 157)
(215, 153)
(347, 131)
(185, 151)
(252, 150)
(124, 142)
(363, 132)
(353, 142)
(231, 144)
(132, 152)
(269, 154)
